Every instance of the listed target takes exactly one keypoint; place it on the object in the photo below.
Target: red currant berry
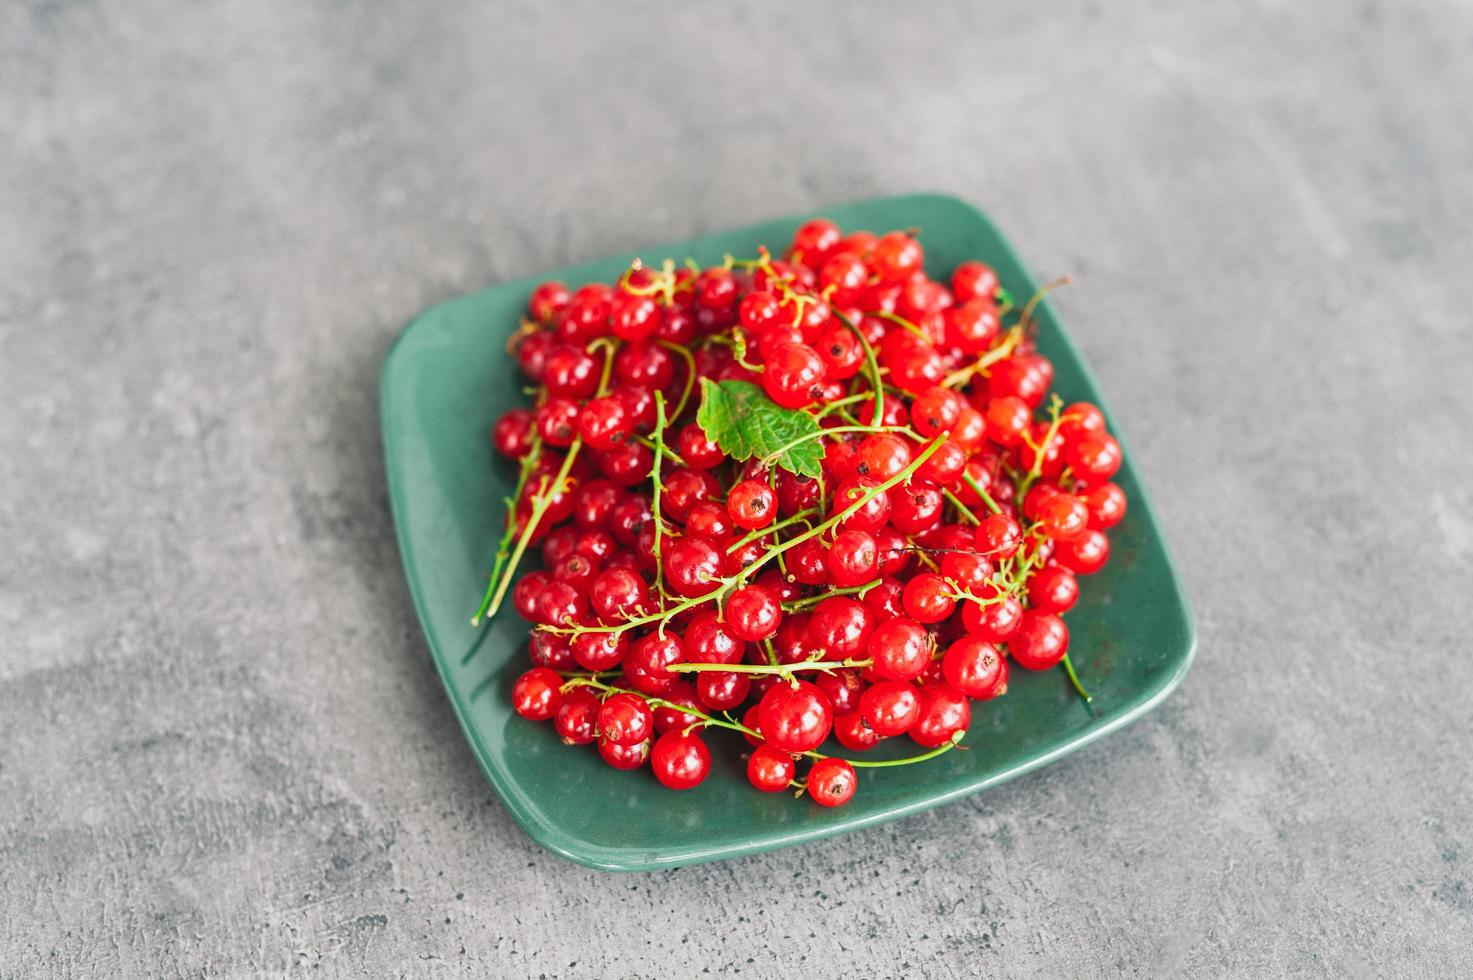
(944, 712)
(752, 504)
(973, 667)
(570, 372)
(526, 594)
(1106, 504)
(557, 422)
(815, 240)
(793, 374)
(1041, 641)
(795, 718)
(1094, 458)
(537, 694)
(721, 690)
(1063, 516)
(900, 648)
(646, 662)
(995, 619)
(624, 757)
(840, 627)
(680, 761)
(672, 716)
(693, 566)
(1007, 419)
(853, 559)
(1053, 589)
(512, 434)
(576, 718)
(625, 719)
(770, 770)
(973, 280)
(890, 707)
(598, 651)
(854, 733)
(873, 509)
(999, 536)
(633, 318)
(928, 598)
(548, 299)
(696, 449)
(832, 782)
(753, 613)
(1085, 554)
(896, 256)
(551, 651)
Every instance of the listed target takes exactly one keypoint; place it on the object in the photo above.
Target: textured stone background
(223, 749)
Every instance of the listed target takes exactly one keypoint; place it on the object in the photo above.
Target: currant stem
(762, 532)
(869, 362)
(529, 463)
(961, 508)
(771, 670)
(771, 457)
(981, 491)
(540, 503)
(798, 605)
(900, 321)
(1001, 352)
(690, 376)
(923, 757)
(1074, 679)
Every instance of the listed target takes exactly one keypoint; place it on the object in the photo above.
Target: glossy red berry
(832, 782)
(1041, 641)
(625, 719)
(854, 733)
(1107, 505)
(537, 694)
(548, 299)
(1063, 516)
(840, 626)
(928, 598)
(753, 613)
(890, 707)
(853, 559)
(944, 712)
(973, 667)
(795, 718)
(680, 761)
(998, 536)
(692, 566)
(624, 756)
(1085, 554)
(752, 504)
(1054, 589)
(770, 770)
(576, 718)
(900, 648)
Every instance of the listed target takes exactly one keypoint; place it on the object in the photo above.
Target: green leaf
(740, 418)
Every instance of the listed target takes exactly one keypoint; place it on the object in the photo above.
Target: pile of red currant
(800, 497)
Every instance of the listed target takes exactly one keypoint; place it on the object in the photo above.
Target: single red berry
(624, 756)
(512, 434)
(599, 651)
(672, 715)
(843, 689)
(1053, 589)
(792, 375)
(1063, 516)
(890, 707)
(840, 626)
(576, 718)
(1007, 419)
(570, 372)
(646, 662)
(1107, 505)
(928, 598)
(722, 690)
(896, 256)
(710, 640)
(526, 594)
(753, 613)
(551, 651)
(1085, 554)
(696, 449)
(999, 536)
(872, 509)
(900, 648)
(692, 566)
(795, 718)
(815, 240)
(752, 504)
(633, 318)
(625, 719)
(973, 280)
(944, 712)
(770, 770)
(853, 559)
(973, 667)
(548, 299)
(854, 733)
(1094, 458)
(994, 619)
(680, 761)
(537, 694)
(832, 782)
(1041, 641)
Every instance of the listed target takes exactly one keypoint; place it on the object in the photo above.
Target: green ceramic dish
(446, 381)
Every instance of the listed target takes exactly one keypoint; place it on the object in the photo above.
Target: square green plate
(446, 381)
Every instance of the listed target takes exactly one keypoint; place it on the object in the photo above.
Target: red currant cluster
(845, 554)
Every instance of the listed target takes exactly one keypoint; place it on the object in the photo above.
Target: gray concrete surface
(223, 750)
